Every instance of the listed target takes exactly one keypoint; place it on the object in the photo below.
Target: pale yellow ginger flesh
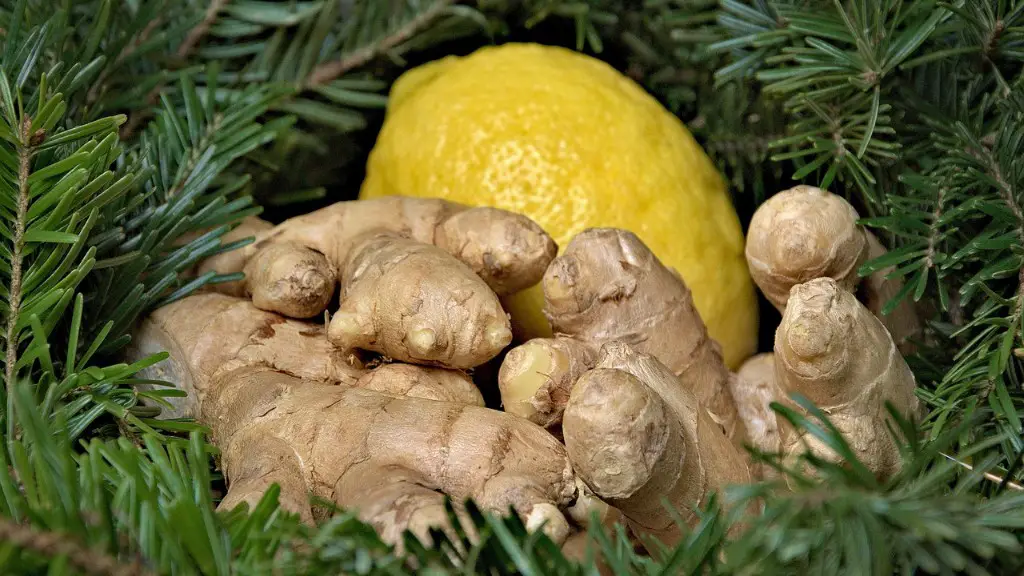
(637, 435)
(536, 377)
(282, 414)
(805, 233)
(835, 352)
(607, 286)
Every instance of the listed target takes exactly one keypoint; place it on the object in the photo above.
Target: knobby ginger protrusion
(609, 287)
(805, 233)
(535, 378)
(637, 435)
(834, 351)
(282, 412)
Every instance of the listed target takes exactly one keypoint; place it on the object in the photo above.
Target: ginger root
(281, 415)
(805, 233)
(608, 286)
(637, 435)
(631, 381)
(837, 353)
(440, 266)
(535, 378)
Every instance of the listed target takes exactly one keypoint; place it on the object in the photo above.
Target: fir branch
(196, 34)
(329, 71)
(54, 545)
(24, 149)
(185, 49)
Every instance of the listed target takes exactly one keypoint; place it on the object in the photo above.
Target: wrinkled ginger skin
(805, 233)
(414, 303)
(801, 234)
(329, 439)
(637, 436)
(508, 251)
(607, 286)
(536, 377)
(291, 280)
(422, 382)
(225, 333)
(834, 351)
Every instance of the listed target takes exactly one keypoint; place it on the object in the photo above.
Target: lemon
(573, 144)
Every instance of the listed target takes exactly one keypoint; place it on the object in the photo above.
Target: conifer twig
(192, 39)
(196, 34)
(11, 338)
(52, 544)
(332, 70)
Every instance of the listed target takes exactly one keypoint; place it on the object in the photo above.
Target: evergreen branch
(196, 34)
(185, 49)
(54, 545)
(24, 149)
(329, 71)
(128, 50)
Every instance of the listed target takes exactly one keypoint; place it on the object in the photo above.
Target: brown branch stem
(25, 149)
(196, 34)
(192, 39)
(53, 544)
(332, 70)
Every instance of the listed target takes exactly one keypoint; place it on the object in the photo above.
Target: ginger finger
(805, 233)
(834, 351)
(393, 499)
(290, 279)
(536, 377)
(509, 251)
(608, 287)
(636, 435)
(413, 302)
(754, 389)
(271, 461)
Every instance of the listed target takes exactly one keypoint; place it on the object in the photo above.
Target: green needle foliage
(134, 134)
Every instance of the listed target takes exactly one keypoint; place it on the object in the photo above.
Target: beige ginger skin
(314, 424)
(440, 266)
(631, 381)
(605, 287)
(805, 233)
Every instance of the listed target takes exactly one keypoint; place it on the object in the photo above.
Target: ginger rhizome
(316, 424)
(439, 266)
(805, 233)
(628, 406)
(637, 435)
(606, 287)
(836, 352)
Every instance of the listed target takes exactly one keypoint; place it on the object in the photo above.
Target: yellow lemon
(570, 142)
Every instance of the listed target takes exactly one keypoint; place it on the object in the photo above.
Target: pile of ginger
(341, 365)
